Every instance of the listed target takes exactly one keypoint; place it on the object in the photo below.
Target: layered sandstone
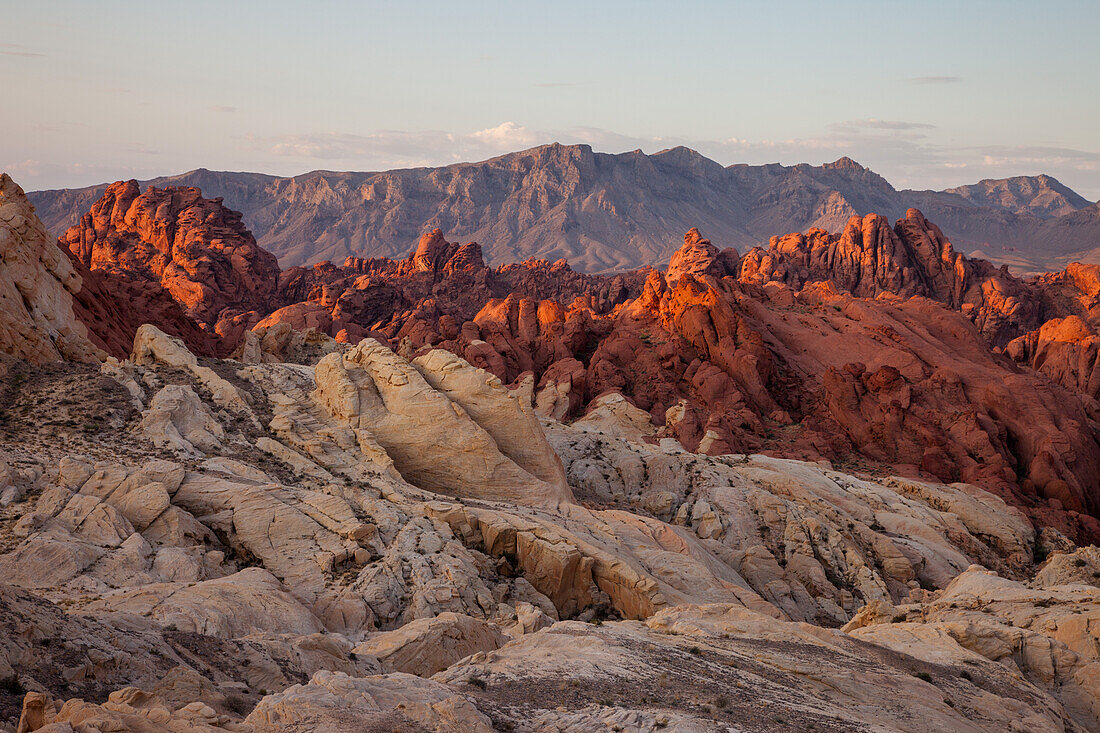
(37, 284)
(871, 345)
(287, 564)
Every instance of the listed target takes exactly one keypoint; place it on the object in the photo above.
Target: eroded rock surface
(877, 345)
(327, 533)
(36, 287)
(287, 563)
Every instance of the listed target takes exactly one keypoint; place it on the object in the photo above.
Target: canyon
(843, 479)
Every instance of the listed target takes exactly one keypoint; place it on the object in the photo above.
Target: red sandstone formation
(750, 363)
(699, 257)
(197, 249)
(724, 365)
(871, 348)
(112, 306)
(1065, 349)
(438, 280)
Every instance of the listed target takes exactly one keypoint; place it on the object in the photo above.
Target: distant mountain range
(606, 212)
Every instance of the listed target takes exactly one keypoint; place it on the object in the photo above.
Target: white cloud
(33, 174)
(23, 170)
(507, 136)
(1038, 155)
(16, 49)
(394, 148)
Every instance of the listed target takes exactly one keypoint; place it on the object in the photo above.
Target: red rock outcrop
(901, 383)
(439, 282)
(913, 258)
(113, 306)
(1065, 349)
(871, 348)
(197, 249)
(698, 257)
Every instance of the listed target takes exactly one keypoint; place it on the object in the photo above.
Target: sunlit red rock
(876, 348)
(197, 249)
(113, 306)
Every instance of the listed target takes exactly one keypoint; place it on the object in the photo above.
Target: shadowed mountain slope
(613, 211)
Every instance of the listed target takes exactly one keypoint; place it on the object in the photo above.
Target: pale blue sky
(929, 94)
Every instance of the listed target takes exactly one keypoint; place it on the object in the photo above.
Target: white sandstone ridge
(375, 542)
(36, 286)
(446, 426)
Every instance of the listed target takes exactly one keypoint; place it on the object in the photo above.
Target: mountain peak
(844, 163)
(681, 153)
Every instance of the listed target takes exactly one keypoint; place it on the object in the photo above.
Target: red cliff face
(113, 307)
(197, 249)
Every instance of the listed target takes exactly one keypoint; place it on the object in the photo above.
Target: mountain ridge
(612, 211)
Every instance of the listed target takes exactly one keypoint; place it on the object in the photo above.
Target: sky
(928, 94)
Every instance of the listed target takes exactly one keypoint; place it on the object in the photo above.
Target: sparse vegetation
(12, 686)
(237, 704)
(923, 676)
